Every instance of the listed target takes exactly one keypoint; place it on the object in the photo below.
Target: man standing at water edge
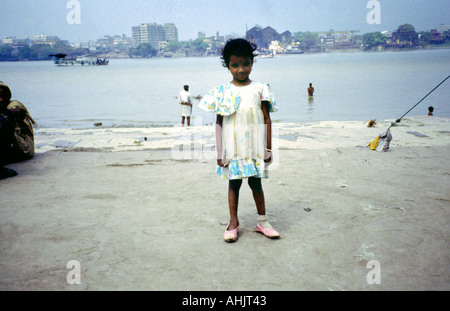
(186, 105)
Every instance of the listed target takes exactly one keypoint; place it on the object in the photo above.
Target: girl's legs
(233, 200)
(258, 194)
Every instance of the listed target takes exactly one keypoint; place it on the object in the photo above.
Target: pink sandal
(231, 236)
(268, 232)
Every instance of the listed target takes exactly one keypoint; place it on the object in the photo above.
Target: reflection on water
(310, 105)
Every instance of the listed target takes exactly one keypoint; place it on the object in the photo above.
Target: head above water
(239, 48)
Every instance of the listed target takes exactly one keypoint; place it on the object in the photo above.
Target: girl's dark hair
(239, 48)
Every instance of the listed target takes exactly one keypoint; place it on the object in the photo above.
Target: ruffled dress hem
(243, 168)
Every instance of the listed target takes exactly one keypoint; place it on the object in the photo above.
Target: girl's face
(240, 68)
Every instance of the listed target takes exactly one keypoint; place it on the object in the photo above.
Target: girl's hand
(219, 162)
(268, 157)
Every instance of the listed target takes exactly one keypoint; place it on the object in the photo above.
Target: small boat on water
(265, 55)
(294, 51)
(89, 60)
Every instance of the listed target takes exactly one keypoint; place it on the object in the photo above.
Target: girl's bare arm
(219, 120)
(268, 125)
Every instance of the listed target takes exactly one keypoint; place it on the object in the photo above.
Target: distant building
(124, 40)
(113, 41)
(16, 43)
(8, 40)
(387, 33)
(263, 37)
(436, 37)
(46, 40)
(153, 33)
(171, 32)
(285, 37)
(442, 28)
(215, 43)
(329, 39)
(105, 41)
(217, 40)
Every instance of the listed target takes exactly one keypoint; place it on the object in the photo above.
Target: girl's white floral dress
(243, 128)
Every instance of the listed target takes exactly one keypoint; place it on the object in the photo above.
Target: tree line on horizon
(405, 35)
(308, 40)
(39, 52)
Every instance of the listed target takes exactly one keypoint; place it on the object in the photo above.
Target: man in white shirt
(186, 105)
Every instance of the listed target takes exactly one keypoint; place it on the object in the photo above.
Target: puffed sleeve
(267, 95)
(208, 102)
(223, 100)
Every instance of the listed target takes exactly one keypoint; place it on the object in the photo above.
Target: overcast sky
(21, 18)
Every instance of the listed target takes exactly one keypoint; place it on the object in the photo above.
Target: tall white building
(153, 33)
(171, 32)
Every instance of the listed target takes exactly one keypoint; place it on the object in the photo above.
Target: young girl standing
(243, 132)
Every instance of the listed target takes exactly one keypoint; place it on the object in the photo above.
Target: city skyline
(27, 18)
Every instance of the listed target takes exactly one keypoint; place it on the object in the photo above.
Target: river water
(143, 92)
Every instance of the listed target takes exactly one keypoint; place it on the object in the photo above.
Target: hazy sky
(22, 18)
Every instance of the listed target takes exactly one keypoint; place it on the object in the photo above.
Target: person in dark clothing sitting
(16, 132)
